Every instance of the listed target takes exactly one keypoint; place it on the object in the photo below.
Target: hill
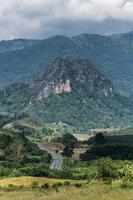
(112, 55)
(17, 44)
(36, 130)
(72, 91)
(17, 151)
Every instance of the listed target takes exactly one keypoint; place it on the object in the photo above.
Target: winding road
(57, 159)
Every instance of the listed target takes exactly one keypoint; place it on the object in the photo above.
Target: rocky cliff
(69, 75)
(72, 91)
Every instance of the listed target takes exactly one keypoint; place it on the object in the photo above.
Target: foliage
(108, 54)
(68, 151)
(115, 151)
(82, 108)
(99, 139)
(68, 139)
(39, 131)
(45, 186)
(106, 168)
(17, 150)
(34, 185)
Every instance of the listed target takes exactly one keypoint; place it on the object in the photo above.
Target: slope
(112, 55)
(72, 91)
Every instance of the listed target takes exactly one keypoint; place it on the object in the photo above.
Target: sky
(45, 18)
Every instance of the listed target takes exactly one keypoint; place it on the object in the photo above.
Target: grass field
(27, 181)
(95, 191)
(82, 137)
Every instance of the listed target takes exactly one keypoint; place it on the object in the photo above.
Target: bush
(35, 184)
(59, 184)
(126, 172)
(99, 139)
(21, 186)
(4, 171)
(106, 168)
(78, 185)
(45, 186)
(40, 170)
(55, 187)
(12, 186)
(67, 183)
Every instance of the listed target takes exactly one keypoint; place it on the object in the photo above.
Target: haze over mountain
(111, 54)
(12, 45)
(72, 91)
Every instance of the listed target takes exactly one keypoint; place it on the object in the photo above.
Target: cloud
(41, 18)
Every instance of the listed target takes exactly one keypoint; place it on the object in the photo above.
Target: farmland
(94, 190)
(81, 137)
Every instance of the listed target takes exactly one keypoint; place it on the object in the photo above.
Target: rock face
(55, 88)
(67, 76)
(63, 87)
(72, 91)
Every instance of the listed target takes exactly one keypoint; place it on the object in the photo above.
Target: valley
(66, 125)
(66, 100)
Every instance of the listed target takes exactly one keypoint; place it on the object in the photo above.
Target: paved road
(57, 159)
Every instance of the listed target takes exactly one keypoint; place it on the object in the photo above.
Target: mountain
(111, 54)
(72, 76)
(17, 44)
(72, 91)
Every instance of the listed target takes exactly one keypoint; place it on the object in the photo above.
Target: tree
(69, 140)
(68, 151)
(106, 168)
(15, 152)
(99, 139)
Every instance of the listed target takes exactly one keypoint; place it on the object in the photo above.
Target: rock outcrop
(67, 75)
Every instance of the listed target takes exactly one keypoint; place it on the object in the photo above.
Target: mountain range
(22, 61)
(72, 91)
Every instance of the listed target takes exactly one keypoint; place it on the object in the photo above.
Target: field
(27, 181)
(93, 191)
(82, 137)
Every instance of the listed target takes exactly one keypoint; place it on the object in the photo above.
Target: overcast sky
(44, 18)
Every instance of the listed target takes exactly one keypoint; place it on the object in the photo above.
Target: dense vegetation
(39, 131)
(16, 151)
(93, 102)
(31, 112)
(112, 54)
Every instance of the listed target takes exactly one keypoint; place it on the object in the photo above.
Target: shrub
(99, 139)
(126, 172)
(67, 183)
(39, 170)
(55, 186)
(45, 186)
(106, 168)
(12, 186)
(35, 184)
(21, 186)
(78, 185)
(4, 171)
(59, 184)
